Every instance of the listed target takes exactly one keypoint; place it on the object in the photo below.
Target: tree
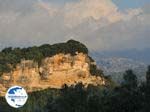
(148, 76)
(7, 50)
(34, 53)
(72, 99)
(75, 46)
(145, 90)
(130, 80)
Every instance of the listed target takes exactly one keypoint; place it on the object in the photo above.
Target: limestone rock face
(53, 72)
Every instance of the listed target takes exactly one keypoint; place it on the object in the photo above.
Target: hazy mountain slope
(137, 55)
(116, 66)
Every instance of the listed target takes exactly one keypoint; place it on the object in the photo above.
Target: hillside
(142, 55)
(116, 65)
(38, 68)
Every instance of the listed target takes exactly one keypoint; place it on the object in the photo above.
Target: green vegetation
(148, 76)
(130, 80)
(9, 57)
(95, 71)
(124, 98)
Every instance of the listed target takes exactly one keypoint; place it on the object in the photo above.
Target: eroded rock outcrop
(53, 72)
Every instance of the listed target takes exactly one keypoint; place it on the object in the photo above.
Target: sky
(102, 25)
(123, 4)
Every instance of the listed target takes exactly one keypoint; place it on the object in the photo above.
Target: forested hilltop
(48, 66)
(9, 57)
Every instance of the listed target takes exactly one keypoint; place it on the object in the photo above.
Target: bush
(95, 71)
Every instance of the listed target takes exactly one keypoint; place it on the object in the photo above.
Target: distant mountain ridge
(134, 54)
(115, 65)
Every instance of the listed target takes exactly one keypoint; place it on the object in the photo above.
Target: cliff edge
(52, 72)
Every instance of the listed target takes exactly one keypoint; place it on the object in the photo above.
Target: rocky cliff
(52, 72)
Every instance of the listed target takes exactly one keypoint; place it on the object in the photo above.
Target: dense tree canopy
(148, 76)
(9, 57)
(130, 80)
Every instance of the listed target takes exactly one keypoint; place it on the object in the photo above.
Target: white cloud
(132, 13)
(76, 13)
(51, 10)
(102, 12)
(97, 23)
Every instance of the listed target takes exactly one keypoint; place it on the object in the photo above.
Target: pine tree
(130, 80)
(148, 76)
